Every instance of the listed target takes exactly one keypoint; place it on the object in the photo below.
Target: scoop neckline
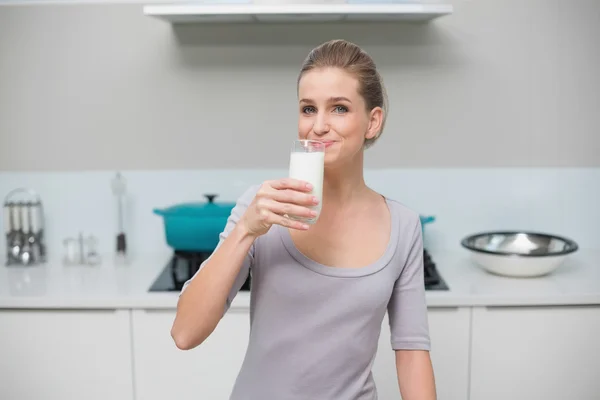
(346, 272)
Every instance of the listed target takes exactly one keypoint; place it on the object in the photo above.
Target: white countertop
(108, 286)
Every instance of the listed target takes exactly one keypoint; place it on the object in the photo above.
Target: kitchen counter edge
(577, 282)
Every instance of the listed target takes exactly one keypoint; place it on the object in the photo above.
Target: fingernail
(313, 213)
(309, 186)
(315, 200)
(304, 226)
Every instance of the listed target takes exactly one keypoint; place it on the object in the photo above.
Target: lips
(329, 143)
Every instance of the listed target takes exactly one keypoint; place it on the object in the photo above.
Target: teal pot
(195, 226)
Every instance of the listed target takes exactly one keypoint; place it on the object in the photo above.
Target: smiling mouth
(329, 143)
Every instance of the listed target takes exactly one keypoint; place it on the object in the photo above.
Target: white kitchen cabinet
(449, 330)
(162, 371)
(65, 354)
(524, 353)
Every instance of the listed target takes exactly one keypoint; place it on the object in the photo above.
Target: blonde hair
(352, 59)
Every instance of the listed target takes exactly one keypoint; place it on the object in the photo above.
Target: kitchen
(491, 127)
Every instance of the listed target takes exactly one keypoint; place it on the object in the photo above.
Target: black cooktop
(433, 279)
(183, 265)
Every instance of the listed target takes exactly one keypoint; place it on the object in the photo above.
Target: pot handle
(211, 197)
(427, 219)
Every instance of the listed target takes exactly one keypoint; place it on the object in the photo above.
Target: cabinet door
(449, 332)
(162, 371)
(65, 354)
(524, 353)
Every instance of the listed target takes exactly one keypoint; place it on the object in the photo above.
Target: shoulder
(408, 220)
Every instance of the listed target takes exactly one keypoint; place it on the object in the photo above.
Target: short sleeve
(238, 210)
(407, 309)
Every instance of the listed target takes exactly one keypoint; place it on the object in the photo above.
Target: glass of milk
(307, 161)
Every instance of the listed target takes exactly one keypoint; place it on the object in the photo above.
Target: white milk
(309, 167)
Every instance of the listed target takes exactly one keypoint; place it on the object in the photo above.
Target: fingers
(270, 218)
(286, 208)
(290, 183)
(287, 195)
(278, 198)
(293, 197)
(290, 223)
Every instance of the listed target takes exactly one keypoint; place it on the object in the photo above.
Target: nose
(321, 125)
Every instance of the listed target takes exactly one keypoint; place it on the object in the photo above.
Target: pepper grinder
(118, 186)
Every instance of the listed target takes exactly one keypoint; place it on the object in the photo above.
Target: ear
(375, 122)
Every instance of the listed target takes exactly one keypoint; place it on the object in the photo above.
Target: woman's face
(332, 110)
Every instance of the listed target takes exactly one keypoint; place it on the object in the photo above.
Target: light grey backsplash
(102, 87)
(562, 201)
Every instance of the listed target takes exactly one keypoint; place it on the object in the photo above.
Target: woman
(319, 294)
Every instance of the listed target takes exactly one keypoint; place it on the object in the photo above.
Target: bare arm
(415, 375)
(200, 306)
(410, 325)
(203, 302)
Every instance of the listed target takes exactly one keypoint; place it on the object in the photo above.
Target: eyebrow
(331, 100)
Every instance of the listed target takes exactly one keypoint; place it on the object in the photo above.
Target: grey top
(314, 328)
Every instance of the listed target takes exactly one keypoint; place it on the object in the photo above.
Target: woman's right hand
(274, 200)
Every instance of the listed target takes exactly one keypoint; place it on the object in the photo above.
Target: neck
(344, 182)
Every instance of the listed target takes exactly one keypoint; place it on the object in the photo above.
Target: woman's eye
(341, 109)
(308, 109)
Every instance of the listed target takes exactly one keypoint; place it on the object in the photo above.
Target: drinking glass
(307, 161)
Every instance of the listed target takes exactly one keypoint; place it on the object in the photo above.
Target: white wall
(499, 83)
(493, 119)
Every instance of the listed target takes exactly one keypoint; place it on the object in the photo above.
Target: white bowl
(518, 254)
